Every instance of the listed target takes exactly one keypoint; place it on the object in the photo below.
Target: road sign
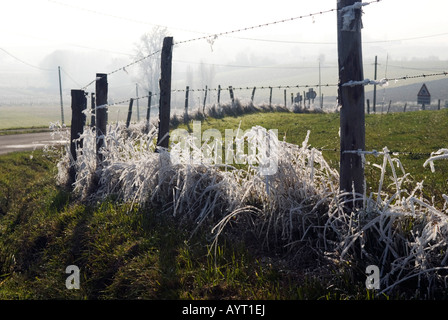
(424, 97)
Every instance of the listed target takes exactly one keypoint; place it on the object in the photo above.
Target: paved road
(27, 141)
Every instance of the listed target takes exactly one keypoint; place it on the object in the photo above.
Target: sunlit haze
(93, 36)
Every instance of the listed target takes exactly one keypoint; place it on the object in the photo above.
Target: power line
(24, 62)
(123, 18)
(71, 78)
(408, 39)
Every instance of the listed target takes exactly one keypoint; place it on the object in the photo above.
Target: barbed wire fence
(211, 38)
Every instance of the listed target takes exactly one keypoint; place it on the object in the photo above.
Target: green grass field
(419, 133)
(129, 252)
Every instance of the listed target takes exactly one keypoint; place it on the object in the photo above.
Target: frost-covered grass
(299, 210)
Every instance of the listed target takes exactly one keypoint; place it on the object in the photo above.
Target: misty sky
(103, 33)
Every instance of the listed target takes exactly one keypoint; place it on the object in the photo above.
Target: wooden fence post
(79, 104)
(148, 112)
(219, 94)
(390, 104)
(205, 100)
(438, 106)
(270, 97)
(128, 120)
(368, 106)
(93, 110)
(187, 90)
(165, 93)
(138, 103)
(405, 105)
(253, 95)
(352, 117)
(232, 97)
(284, 96)
(101, 88)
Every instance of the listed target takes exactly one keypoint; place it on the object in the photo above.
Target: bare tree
(149, 69)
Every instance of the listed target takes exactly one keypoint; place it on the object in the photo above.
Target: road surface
(27, 142)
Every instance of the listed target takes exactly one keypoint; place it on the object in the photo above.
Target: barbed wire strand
(215, 36)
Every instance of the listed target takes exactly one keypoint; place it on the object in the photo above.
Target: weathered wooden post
(368, 106)
(351, 98)
(93, 110)
(284, 96)
(148, 112)
(390, 104)
(270, 97)
(219, 94)
(138, 103)
(165, 93)
(101, 89)
(205, 100)
(187, 90)
(304, 99)
(79, 104)
(253, 95)
(128, 120)
(405, 105)
(232, 97)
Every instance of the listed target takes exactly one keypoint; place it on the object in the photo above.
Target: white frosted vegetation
(299, 207)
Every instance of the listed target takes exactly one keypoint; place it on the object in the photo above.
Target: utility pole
(60, 93)
(351, 98)
(320, 88)
(374, 87)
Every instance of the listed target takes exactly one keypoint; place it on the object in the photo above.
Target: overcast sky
(31, 30)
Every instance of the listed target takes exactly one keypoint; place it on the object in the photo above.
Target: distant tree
(207, 75)
(149, 69)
